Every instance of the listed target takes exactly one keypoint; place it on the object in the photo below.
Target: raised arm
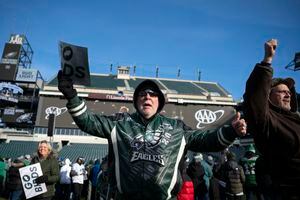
(256, 97)
(87, 121)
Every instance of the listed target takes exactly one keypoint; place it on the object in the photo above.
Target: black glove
(41, 179)
(65, 85)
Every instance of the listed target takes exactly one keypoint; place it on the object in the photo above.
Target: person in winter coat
(208, 174)
(234, 178)
(271, 112)
(187, 190)
(201, 173)
(220, 190)
(65, 179)
(78, 172)
(14, 183)
(248, 164)
(104, 188)
(94, 177)
(146, 147)
(50, 168)
(3, 170)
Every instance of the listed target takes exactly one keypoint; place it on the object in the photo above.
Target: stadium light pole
(178, 73)
(294, 63)
(199, 75)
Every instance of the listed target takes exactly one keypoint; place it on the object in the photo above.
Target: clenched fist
(270, 47)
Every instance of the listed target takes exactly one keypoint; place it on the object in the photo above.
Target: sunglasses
(148, 91)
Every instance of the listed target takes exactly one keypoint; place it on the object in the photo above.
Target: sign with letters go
(28, 174)
(74, 63)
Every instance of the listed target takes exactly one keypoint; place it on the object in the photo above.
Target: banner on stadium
(202, 117)
(15, 115)
(11, 54)
(8, 72)
(26, 75)
(10, 92)
(110, 97)
(28, 175)
(74, 63)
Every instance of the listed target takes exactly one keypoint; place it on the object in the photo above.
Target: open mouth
(147, 105)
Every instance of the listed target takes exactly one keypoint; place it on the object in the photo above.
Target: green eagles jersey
(248, 165)
(146, 157)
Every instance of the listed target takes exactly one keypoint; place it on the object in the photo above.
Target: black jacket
(196, 171)
(276, 131)
(234, 177)
(14, 179)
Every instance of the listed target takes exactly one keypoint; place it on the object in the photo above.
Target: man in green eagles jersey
(145, 147)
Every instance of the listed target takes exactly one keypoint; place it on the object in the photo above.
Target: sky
(221, 39)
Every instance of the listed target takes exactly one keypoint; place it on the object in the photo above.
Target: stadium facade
(27, 101)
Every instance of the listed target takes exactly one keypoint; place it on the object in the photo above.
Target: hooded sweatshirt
(276, 131)
(65, 172)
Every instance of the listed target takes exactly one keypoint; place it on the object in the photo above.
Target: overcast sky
(222, 39)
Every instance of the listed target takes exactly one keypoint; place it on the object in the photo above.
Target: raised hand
(270, 47)
(239, 125)
(65, 85)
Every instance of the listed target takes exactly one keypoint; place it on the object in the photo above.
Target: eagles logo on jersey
(153, 138)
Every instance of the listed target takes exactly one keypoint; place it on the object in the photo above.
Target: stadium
(33, 110)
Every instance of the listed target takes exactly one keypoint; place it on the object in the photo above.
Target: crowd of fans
(205, 176)
(271, 112)
(226, 177)
(76, 180)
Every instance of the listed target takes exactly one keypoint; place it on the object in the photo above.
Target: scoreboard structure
(19, 84)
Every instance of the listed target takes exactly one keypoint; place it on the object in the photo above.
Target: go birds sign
(28, 175)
